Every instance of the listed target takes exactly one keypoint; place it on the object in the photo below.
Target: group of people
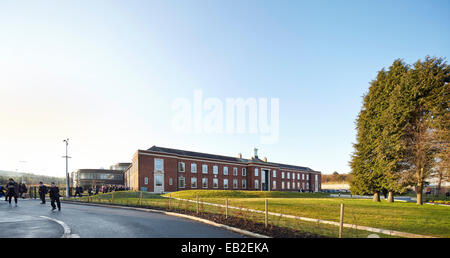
(16, 190)
(103, 189)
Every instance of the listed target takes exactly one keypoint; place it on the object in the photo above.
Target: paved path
(32, 219)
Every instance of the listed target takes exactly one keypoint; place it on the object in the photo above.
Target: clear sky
(105, 73)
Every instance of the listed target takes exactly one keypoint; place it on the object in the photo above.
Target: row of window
(215, 183)
(182, 168)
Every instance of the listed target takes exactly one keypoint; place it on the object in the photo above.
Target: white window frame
(282, 174)
(288, 175)
(274, 184)
(235, 184)
(274, 173)
(303, 176)
(170, 181)
(145, 180)
(181, 164)
(235, 171)
(256, 172)
(194, 179)
(289, 185)
(244, 171)
(215, 183)
(225, 171)
(256, 184)
(215, 170)
(181, 179)
(244, 183)
(156, 162)
(204, 169)
(225, 183)
(204, 179)
(193, 167)
(282, 185)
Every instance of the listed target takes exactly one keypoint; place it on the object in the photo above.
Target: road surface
(32, 219)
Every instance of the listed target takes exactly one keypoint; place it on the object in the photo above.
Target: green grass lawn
(406, 217)
(400, 216)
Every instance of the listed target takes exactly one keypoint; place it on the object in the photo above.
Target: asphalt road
(35, 220)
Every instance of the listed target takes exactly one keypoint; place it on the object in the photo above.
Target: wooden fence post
(140, 199)
(341, 222)
(266, 214)
(226, 208)
(170, 203)
(198, 210)
(112, 197)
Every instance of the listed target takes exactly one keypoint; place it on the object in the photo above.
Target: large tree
(402, 129)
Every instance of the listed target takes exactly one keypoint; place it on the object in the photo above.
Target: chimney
(265, 159)
(240, 155)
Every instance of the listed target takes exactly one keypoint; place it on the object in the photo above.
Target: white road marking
(67, 231)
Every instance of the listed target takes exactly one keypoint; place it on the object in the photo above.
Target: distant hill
(28, 178)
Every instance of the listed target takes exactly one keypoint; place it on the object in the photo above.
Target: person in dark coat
(22, 190)
(54, 196)
(43, 190)
(1, 191)
(13, 191)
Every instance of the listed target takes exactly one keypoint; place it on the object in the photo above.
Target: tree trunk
(439, 184)
(419, 193)
(376, 197)
(390, 196)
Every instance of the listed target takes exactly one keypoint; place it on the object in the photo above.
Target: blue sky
(104, 73)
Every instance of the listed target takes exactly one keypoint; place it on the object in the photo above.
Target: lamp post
(67, 167)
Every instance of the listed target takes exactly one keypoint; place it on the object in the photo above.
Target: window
(274, 173)
(215, 170)
(307, 186)
(256, 172)
(225, 184)
(307, 176)
(244, 172)
(235, 184)
(205, 182)
(288, 185)
(282, 175)
(181, 167)
(256, 184)
(225, 170)
(303, 176)
(146, 180)
(288, 175)
(282, 185)
(181, 182)
(298, 185)
(170, 181)
(193, 168)
(159, 165)
(235, 171)
(303, 185)
(215, 183)
(205, 169)
(193, 182)
(274, 185)
(298, 176)
(244, 183)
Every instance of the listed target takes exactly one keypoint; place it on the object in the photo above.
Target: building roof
(224, 158)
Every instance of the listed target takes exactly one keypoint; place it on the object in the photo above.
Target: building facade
(98, 177)
(161, 169)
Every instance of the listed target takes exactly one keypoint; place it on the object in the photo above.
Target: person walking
(23, 190)
(13, 190)
(43, 190)
(54, 196)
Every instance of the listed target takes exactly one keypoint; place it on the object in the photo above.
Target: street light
(67, 167)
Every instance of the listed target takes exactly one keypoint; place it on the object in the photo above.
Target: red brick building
(161, 169)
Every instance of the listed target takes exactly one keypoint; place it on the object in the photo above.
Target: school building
(160, 169)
